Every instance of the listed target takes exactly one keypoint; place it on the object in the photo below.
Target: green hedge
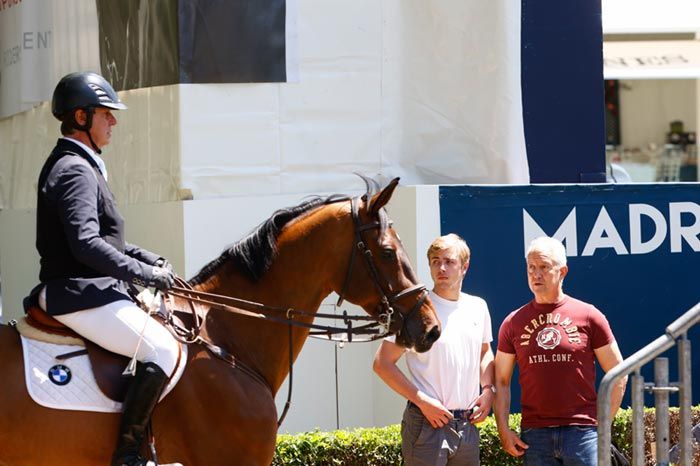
(372, 447)
(382, 446)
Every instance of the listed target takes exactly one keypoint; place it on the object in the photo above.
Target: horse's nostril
(433, 335)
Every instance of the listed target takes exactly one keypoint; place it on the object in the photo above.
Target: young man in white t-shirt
(443, 391)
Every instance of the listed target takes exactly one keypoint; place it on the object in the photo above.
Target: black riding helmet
(84, 90)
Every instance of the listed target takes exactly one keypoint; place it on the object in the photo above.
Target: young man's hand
(434, 411)
(482, 406)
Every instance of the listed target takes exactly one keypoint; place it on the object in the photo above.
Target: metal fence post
(638, 419)
(661, 403)
(686, 392)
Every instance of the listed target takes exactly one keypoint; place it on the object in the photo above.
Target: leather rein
(386, 323)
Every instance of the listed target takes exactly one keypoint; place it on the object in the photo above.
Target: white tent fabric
(425, 90)
(678, 59)
(40, 42)
(650, 16)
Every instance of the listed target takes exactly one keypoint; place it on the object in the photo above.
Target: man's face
(447, 269)
(102, 122)
(543, 275)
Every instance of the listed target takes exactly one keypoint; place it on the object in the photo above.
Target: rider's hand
(161, 278)
(163, 262)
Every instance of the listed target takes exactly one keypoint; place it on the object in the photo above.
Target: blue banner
(633, 252)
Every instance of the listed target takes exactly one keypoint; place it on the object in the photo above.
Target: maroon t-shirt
(553, 346)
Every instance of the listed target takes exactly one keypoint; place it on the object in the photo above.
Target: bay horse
(218, 415)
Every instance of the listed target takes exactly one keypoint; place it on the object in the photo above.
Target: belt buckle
(461, 414)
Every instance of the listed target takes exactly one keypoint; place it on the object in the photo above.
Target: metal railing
(661, 388)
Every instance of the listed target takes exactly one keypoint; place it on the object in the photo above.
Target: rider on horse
(85, 261)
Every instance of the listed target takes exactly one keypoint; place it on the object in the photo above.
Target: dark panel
(232, 41)
(612, 112)
(138, 42)
(562, 85)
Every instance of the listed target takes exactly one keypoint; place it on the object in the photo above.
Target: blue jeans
(564, 445)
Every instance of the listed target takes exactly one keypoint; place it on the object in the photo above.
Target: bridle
(385, 317)
(386, 323)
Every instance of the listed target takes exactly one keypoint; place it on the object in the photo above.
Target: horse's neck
(264, 346)
(310, 263)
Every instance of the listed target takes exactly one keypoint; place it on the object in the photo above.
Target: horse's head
(380, 278)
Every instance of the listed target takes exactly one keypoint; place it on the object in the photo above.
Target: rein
(377, 327)
(281, 315)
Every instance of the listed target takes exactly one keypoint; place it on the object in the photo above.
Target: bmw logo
(60, 374)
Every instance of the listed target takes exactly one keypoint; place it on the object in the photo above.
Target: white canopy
(650, 16)
(673, 59)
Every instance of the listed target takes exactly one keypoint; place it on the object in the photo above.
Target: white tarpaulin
(425, 90)
(40, 42)
(650, 16)
(652, 60)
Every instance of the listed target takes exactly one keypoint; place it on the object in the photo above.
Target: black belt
(457, 414)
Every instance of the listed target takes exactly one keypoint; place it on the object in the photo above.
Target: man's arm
(505, 365)
(385, 367)
(609, 356)
(485, 400)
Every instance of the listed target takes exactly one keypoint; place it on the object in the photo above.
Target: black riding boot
(141, 399)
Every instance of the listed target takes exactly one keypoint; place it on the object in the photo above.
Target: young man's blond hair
(448, 241)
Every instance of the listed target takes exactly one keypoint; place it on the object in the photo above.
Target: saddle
(107, 367)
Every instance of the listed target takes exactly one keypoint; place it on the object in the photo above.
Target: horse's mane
(255, 253)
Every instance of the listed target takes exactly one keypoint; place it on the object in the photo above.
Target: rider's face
(102, 122)
(101, 130)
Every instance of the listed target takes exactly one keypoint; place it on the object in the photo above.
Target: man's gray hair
(548, 247)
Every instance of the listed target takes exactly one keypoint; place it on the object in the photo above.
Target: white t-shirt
(449, 371)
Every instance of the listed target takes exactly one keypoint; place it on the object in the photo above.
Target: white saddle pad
(70, 384)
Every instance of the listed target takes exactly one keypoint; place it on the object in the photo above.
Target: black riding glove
(159, 277)
(163, 262)
(163, 278)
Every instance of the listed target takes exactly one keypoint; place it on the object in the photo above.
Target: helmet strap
(97, 149)
(89, 112)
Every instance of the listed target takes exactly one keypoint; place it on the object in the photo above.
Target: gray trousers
(454, 444)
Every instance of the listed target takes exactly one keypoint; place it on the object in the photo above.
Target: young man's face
(447, 269)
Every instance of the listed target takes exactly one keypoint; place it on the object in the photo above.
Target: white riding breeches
(118, 326)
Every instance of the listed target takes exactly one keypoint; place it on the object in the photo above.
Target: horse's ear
(382, 197)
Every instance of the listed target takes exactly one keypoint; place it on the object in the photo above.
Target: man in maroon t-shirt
(555, 340)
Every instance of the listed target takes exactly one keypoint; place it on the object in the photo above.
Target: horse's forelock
(373, 187)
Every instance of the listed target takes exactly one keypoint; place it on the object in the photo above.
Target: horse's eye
(388, 254)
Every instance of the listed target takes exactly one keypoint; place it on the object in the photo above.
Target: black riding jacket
(80, 236)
